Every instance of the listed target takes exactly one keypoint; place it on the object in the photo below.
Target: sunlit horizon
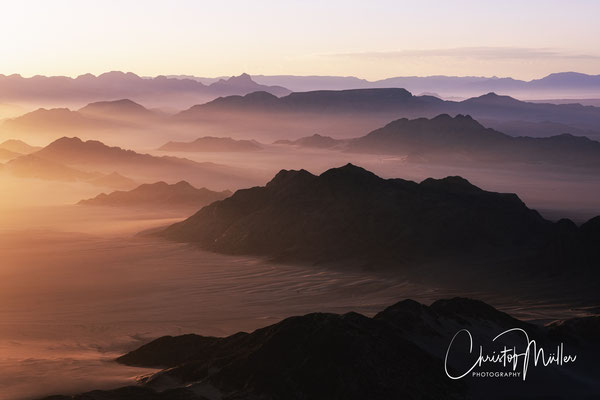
(523, 40)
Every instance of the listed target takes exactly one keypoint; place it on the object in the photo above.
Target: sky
(373, 39)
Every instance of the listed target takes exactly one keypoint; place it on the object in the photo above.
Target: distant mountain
(60, 118)
(323, 102)
(311, 83)
(43, 122)
(18, 146)
(345, 113)
(32, 166)
(462, 139)
(328, 356)
(156, 92)
(244, 84)
(123, 109)
(114, 180)
(159, 194)
(559, 84)
(332, 113)
(117, 118)
(315, 141)
(213, 144)
(96, 156)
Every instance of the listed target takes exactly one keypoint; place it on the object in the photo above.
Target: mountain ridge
(353, 356)
(160, 194)
(155, 91)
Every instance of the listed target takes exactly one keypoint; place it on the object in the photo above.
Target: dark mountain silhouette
(157, 91)
(399, 353)
(349, 213)
(348, 216)
(463, 139)
(315, 141)
(159, 194)
(18, 146)
(213, 144)
(93, 155)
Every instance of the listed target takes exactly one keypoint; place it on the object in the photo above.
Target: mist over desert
(299, 200)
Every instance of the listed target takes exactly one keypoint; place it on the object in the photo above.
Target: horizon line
(183, 76)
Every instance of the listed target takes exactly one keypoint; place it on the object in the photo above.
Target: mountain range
(158, 91)
(159, 194)
(96, 119)
(401, 352)
(342, 114)
(565, 84)
(348, 113)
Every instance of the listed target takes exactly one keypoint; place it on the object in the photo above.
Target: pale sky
(370, 39)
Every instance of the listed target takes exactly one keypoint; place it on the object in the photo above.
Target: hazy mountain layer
(558, 84)
(93, 155)
(344, 113)
(213, 144)
(157, 91)
(159, 194)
